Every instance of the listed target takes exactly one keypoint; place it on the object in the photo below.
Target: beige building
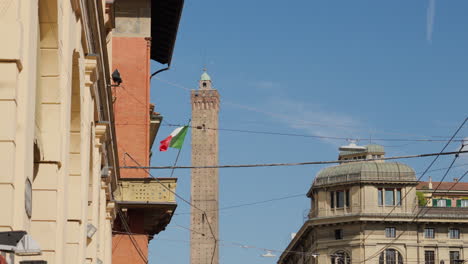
(57, 138)
(368, 212)
(443, 194)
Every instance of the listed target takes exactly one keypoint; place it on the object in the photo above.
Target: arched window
(340, 257)
(390, 256)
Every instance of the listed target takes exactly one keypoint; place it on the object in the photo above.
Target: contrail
(430, 20)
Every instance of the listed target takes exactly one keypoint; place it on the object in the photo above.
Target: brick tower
(205, 107)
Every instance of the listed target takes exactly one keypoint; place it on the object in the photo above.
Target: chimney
(430, 183)
(455, 179)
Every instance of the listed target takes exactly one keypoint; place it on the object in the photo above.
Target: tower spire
(205, 81)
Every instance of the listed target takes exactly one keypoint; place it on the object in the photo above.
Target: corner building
(58, 152)
(367, 211)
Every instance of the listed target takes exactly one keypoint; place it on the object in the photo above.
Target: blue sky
(365, 68)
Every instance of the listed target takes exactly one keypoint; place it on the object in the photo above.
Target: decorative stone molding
(100, 134)
(111, 211)
(91, 73)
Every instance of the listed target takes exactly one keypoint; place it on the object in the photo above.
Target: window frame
(384, 257)
(452, 234)
(451, 256)
(391, 196)
(347, 198)
(339, 234)
(332, 199)
(429, 261)
(380, 196)
(340, 257)
(426, 233)
(340, 203)
(390, 232)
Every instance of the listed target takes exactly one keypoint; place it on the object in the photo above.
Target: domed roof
(205, 77)
(370, 171)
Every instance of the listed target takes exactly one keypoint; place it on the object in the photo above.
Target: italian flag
(175, 139)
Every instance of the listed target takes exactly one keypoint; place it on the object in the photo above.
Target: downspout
(161, 70)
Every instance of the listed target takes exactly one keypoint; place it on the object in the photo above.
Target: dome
(205, 77)
(369, 171)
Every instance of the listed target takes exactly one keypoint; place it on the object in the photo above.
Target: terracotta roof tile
(455, 186)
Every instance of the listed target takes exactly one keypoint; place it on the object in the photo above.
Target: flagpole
(178, 154)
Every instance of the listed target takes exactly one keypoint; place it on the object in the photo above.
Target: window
(332, 199)
(347, 198)
(389, 196)
(429, 257)
(380, 196)
(398, 197)
(454, 257)
(339, 199)
(454, 233)
(441, 202)
(390, 256)
(429, 233)
(462, 203)
(338, 234)
(390, 232)
(340, 257)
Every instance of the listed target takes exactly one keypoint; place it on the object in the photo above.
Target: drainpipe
(161, 70)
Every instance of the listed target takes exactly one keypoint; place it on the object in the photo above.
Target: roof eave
(165, 18)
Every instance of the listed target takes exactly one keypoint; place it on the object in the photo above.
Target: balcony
(151, 198)
(147, 190)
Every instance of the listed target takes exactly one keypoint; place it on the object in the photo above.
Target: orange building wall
(131, 56)
(123, 250)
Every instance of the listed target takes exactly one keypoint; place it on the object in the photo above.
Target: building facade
(57, 143)
(204, 186)
(144, 30)
(367, 211)
(443, 194)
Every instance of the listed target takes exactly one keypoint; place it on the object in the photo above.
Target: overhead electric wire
(459, 180)
(313, 136)
(252, 203)
(132, 239)
(250, 108)
(183, 199)
(443, 178)
(301, 195)
(168, 189)
(422, 175)
(293, 164)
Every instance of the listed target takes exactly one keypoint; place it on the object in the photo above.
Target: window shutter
(459, 203)
(448, 202)
(434, 202)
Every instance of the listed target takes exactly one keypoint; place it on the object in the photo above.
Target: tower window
(204, 84)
